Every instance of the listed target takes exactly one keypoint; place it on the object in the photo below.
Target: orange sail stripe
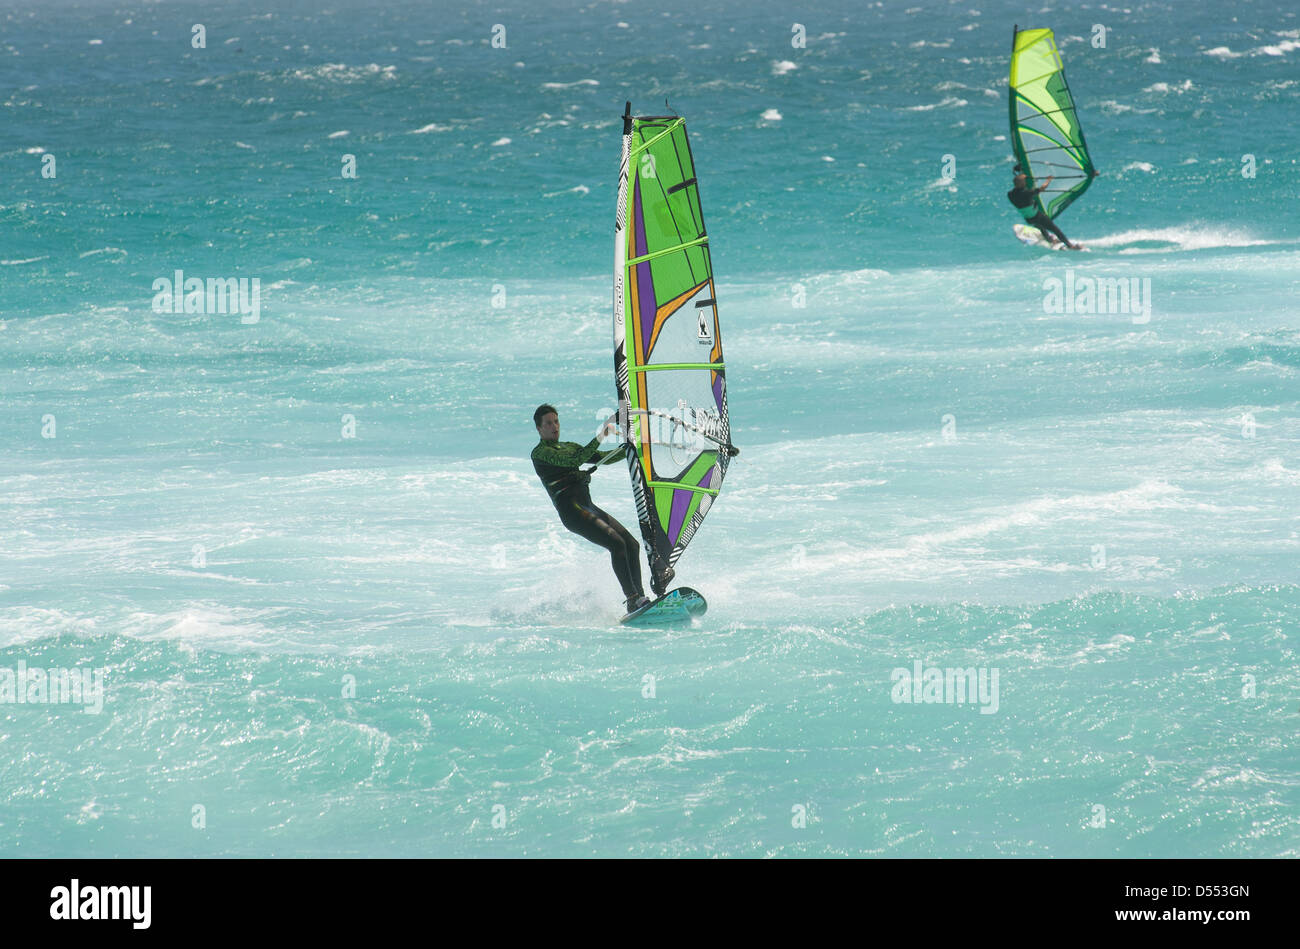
(715, 354)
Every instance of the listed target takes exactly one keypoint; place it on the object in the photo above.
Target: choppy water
(375, 645)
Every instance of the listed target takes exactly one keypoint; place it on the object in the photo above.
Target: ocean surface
(333, 610)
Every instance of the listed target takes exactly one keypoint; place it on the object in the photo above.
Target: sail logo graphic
(706, 333)
(685, 431)
(707, 422)
(699, 421)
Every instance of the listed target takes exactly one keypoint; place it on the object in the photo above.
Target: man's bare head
(547, 421)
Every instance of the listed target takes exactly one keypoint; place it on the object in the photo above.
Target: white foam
(1187, 237)
(576, 189)
(771, 115)
(951, 102)
(1273, 471)
(1184, 86)
(208, 628)
(1280, 49)
(782, 67)
(343, 73)
(1149, 495)
(854, 278)
(27, 624)
(1111, 107)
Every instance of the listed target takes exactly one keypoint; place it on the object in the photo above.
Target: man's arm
(562, 456)
(602, 456)
(610, 428)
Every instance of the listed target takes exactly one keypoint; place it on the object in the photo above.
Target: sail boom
(674, 486)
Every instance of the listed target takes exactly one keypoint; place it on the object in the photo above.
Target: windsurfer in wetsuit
(1025, 199)
(558, 465)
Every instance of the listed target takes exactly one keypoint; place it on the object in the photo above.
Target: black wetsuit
(557, 464)
(1023, 199)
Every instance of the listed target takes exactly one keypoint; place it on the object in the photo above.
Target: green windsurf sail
(668, 363)
(1045, 130)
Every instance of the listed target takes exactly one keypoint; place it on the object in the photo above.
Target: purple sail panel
(717, 390)
(645, 287)
(677, 519)
(707, 479)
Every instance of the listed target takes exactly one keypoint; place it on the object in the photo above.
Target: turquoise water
(387, 645)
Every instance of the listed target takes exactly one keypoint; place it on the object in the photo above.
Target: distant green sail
(1045, 131)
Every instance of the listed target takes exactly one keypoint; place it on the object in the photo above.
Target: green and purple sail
(1045, 131)
(667, 339)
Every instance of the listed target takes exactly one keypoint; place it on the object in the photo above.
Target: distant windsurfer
(558, 464)
(1026, 200)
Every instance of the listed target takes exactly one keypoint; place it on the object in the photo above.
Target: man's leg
(1045, 224)
(631, 549)
(660, 573)
(624, 554)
